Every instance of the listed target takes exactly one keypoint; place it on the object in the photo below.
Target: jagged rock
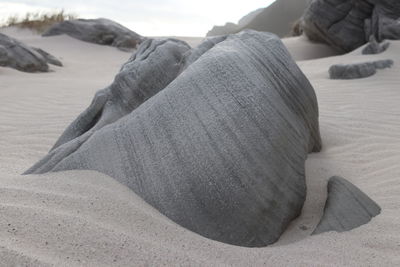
(346, 207)
(220, 150)
(359, 70)
(348, 24)
(98, 31)
(373, 47)
(19, 56)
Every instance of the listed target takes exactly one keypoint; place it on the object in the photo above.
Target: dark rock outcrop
(359, 70)
(348, 24)
(19, 56)
(98, 31)
(220, 150)
(346, 207)
(373, 47)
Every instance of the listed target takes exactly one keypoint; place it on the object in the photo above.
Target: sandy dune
(87, 218)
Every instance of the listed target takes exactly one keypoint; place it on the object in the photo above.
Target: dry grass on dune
(38, 21)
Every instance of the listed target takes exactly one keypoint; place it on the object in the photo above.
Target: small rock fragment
(346, 207)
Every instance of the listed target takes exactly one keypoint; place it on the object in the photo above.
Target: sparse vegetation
(38, 21)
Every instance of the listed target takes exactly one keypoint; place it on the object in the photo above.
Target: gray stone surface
(17, 55)
(220, 150)
(358, 70)
(348, 24)
(99, 31)
(346, 207)
(373, 47)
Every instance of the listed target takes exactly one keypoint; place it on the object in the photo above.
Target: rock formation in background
(358, 70)
(19, 56)
(98, 31)
(348, 24)
(230, 27)
(277, 18)
(373, 47)
(220, 150)
(346, 207)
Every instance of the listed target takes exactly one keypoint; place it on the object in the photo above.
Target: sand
(87, 218)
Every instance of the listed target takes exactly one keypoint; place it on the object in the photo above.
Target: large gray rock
(346, 207)
(358, 70)
(348, 24)
(19, 56)
(220, 150)
(98, 31)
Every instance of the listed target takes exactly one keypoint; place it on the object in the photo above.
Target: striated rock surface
(359, 70)
(19, 56)
(373, 47)
(348, 24)
(220, 150)
(346, 207)
(98, 31)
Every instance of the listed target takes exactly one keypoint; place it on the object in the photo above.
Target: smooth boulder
(346, 207)
(220, 150)
(15, 54)
(348, 24)
(99, 31)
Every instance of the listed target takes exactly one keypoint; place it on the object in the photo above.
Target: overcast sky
(146, 17)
